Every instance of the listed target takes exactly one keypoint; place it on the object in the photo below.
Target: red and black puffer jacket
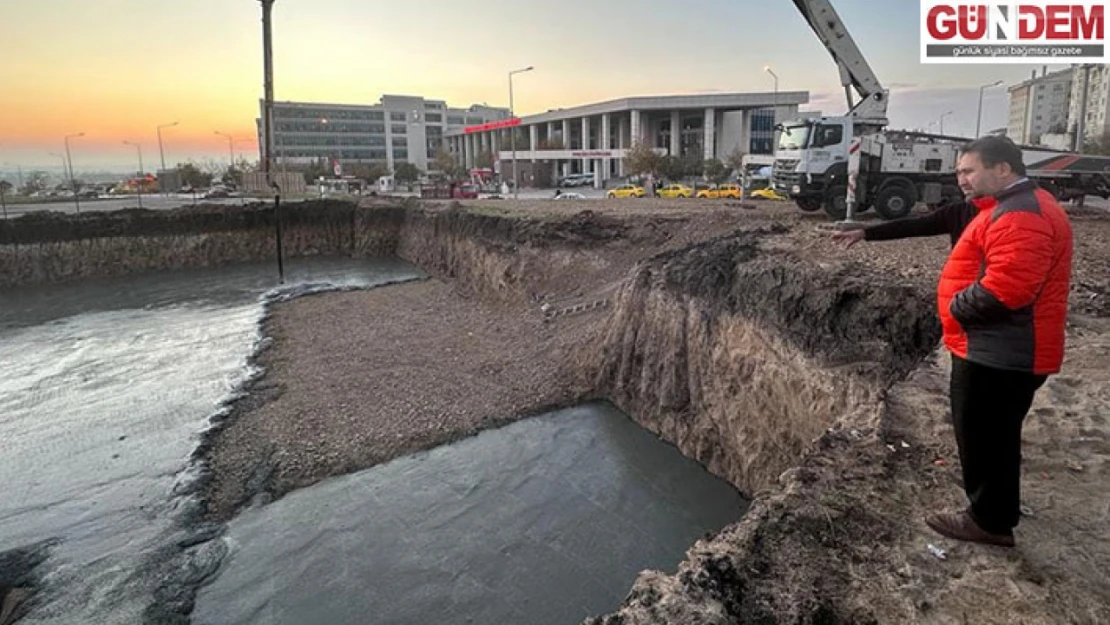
(1003, 293)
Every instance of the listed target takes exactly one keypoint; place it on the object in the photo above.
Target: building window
(400, 141)
(397, 116)
(762, 146)
(474, 120)
(398, 129)
(763, 120)
(400, 153)
(453, 120)
(433, 118)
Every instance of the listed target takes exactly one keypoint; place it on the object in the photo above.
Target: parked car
(626, 190)
(727, 190)
(577, 180)
(767, 193)
(569, 195)
(465, 192)
(673, 191)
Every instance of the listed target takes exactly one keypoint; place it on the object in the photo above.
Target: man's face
(978, 180)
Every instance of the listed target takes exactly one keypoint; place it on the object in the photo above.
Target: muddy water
(545, 521)
(104, 386)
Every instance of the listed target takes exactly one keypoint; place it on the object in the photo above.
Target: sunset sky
(116, 69)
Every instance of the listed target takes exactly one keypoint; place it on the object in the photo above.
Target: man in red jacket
(1002, 299)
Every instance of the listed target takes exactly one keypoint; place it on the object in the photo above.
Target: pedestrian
(1002, 299)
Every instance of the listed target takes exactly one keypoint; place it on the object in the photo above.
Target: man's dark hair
(993, 150)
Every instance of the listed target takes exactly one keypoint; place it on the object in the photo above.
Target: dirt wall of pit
(42, 248)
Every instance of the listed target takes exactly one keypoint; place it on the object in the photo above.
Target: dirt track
(329, 407)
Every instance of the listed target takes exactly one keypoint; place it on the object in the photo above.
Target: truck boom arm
(854, 69)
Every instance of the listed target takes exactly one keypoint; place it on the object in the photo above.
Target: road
(159, 202)
(152, 202)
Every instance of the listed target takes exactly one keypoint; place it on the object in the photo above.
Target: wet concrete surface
(105, 386)
(545, 521)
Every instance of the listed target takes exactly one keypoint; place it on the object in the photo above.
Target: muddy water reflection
(104, 386)
(545, 521)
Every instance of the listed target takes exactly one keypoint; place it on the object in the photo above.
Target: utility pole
(268, 87)
(268, 124)
(139, 180)
(162, 154)
(72, 180)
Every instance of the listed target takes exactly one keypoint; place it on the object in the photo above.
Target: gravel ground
(357, 378)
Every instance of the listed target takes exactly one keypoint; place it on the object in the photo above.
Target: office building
(395, 130)
(596, 137)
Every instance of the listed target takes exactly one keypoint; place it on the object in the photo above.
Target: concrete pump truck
(853, 163)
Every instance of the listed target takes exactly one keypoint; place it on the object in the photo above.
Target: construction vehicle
(853, 163)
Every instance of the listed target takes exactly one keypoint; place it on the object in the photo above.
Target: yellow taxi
(626, 190)
(767, 194)
(673, 191)
(731, 191)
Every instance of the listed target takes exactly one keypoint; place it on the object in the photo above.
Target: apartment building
(1039, 106)
(1095, 80)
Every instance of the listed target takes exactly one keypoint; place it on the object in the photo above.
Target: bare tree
(446, 163)
(406, 173)
(484, 160)
(715, 170)
(34, 181)
(1098, 145)
(735, 160)
(643, 160)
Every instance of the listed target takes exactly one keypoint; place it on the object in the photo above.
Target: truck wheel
(836, 202)
(1051, 188)
(951, 193)
(808, 204)
(894, 202)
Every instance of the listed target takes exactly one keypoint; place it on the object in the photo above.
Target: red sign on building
(505, 123)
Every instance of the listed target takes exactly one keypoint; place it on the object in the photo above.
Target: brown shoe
(961, 526)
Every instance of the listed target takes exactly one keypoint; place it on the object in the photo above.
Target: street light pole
(943, 115)
(161, 153)
(230, 151)
(767, 68)
(139, 180)
(72, 181)
(512, 130)
(65, 164)
(775, 108)
(979, 114)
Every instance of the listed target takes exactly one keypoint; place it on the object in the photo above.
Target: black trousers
(988, 408)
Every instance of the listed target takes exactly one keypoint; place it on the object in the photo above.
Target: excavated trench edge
(680, 283)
